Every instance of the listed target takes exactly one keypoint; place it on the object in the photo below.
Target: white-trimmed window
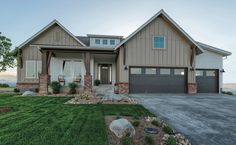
(33, 67)
(159, 42)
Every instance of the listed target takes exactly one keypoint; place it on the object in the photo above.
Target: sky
(207, 21)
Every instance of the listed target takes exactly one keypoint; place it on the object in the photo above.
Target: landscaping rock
(122, 127)
(29, 93)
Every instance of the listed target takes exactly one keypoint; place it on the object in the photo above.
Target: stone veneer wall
(43, 83)
(192, 88)
(27, 86)
(123, 88)
(88, 83)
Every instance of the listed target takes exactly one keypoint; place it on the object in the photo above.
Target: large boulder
(29, 93)
(122, 127)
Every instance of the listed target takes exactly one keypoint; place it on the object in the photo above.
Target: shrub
(167, 130)
(171, 141)
(56, 86)
(4, 85)
(73, 87)
(227, 93)
(126, 141)
(135, 123)
(156, 123)
(97, 82)
(149, 140)
(16, 90)
(136, 117)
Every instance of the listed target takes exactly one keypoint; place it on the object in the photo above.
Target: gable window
(158, 42)
(104, 42)
(33, 68)
(112, 42)
(97, 41)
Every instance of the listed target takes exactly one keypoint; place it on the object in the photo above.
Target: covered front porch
(79, 65)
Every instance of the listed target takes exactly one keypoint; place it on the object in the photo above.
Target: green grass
(47, 121)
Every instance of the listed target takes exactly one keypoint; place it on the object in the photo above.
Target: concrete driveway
(205, 119)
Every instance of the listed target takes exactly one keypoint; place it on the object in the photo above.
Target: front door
(105, 73)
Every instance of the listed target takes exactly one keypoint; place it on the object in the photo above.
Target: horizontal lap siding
(53, 36)
(140, 52)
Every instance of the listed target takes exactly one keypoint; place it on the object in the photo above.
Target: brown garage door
(207, 81)
(157, 80)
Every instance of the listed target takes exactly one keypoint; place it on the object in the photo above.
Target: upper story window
(104, 42)
(112, 42)
(97, 41)
(158, 42)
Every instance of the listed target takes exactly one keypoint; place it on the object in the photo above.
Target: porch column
(44, 77)
(87, 76)
(192, 85)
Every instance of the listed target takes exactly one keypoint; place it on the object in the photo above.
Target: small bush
(171, 141)
(149, 140)
(16, 90)
(156, 123)
(56, 86)
(73, 87)
(97, 82)
(227, 93)
(4, 85)
(126, 141)
(135, 123)
(167, 130)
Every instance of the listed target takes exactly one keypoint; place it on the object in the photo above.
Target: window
(210, 73)
(33, 67)
(179, 72)
(112, 42)
(97, 41)
(150, 71)
(104, 42)
(199, 73)
(165, 71)
(158, 42)
(136, 71)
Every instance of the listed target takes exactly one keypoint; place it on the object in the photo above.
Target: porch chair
(61, 79)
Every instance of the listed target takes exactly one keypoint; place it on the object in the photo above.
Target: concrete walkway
(206, 119)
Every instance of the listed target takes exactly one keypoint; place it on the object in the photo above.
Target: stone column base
(123, 88)
(34, 86)
(192, 88)
(44, 80)
(88, 83)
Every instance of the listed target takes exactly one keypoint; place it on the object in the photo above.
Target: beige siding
(53, 36)
(140, 52)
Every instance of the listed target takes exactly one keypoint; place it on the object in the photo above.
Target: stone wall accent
(123, 88)
(192, 88)
(88, 83)
(27, 86)
(44, 80)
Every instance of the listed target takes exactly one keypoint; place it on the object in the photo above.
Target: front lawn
(47, 121)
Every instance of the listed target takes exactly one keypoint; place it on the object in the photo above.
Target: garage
(157, 80)
(207, 80)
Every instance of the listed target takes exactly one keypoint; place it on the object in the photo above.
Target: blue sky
(207, 21)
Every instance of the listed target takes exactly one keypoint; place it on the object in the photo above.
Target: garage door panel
(167, 82)
(207, 81)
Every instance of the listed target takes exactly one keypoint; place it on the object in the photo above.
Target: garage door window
(136, 71)
(199, 73)
(150, 71)
(210, 73)
(164, 71)
(179, 72)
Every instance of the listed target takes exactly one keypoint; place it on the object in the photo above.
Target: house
(159, 57)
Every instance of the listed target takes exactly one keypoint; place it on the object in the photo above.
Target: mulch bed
(5, 109)
(138, 138)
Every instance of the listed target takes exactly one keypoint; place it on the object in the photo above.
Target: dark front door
(105, 69)
(157, 80)
(207, 81)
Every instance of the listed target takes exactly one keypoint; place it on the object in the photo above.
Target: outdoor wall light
(126, 67)
(222, 70)
(191, 69)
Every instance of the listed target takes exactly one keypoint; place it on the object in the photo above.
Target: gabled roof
(214, 49)
(47, 27)
(164, 14)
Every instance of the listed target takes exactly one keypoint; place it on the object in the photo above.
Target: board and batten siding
(54, 35)
(139, 49)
